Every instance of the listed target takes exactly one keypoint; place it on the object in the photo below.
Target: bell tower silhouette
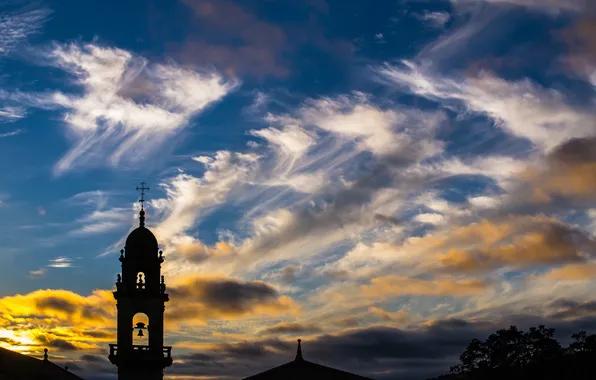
(141, 289)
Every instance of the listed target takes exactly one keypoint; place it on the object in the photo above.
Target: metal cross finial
(142, 190)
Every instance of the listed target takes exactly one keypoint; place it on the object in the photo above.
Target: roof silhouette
(15, 366)
(303, 369)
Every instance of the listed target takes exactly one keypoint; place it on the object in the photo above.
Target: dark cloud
(245, 350)
(235, 296)
(207, 298)
(347, 322)
(62, 345)
(262, 43)
(198, 357)
(99, 334)
(567, 177)
(577, 150)
(388, 219)
(288, 273)
(379, 352)
(290, 328)
(93, 358)
(580, 38)
(564, 309)
(56, 303)
(233, 37)
(10, 341)
(95, 313)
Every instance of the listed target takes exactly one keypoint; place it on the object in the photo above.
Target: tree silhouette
(535, 354)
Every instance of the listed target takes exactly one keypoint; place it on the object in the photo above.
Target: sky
(385, 180)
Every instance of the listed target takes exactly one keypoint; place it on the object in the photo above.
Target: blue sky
(421, 170)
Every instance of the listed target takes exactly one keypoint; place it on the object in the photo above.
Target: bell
(140, 333)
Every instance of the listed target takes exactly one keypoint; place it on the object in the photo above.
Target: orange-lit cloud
(396, 316)
(57, 319)
(511, 242)
(398, 286)
(572, 272)
(60, 306)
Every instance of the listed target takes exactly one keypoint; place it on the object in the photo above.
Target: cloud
(572, 272)
(10, 114)
(262, 42)
(288, 273)
(202, 298)
(196, 251)
(101, 221)
(397, 138)
(398, 316)
(308, 158)
(58, 308)
(579, 37)
(16, 27)
(60, 262)
(391, 286)
(292, 140)
(240, 42)
(544, 5)
(108, 127)
(434, 219)
(506, 244)
(290, 144)
(355, 350)
(37, 273)
(290, 328)
(567, 172)
(188, 196)
(382, 132)
(522, 109)
(435, 19)
(12, 133)
(565, 309)
(546, 242)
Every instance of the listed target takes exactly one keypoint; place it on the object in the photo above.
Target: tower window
(140, 280)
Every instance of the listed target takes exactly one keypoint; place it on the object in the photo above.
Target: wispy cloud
(523, 108)
(436, 19)
(37, 273)
(129, 107)
(10, 114)
(60, 262)
(544, 5)
(12, 133)
(101, 221)
(17, 26)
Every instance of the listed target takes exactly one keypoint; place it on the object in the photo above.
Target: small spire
(142, 218)
(142, 189)
(299, 352)
(45, 354)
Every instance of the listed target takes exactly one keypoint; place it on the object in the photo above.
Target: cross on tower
(142, 190)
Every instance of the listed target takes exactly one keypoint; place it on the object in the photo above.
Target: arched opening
(141, 283)
(140, 331)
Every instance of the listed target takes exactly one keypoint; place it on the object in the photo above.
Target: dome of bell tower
(141, 241)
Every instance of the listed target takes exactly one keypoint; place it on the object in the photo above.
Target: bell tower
(141, 289)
